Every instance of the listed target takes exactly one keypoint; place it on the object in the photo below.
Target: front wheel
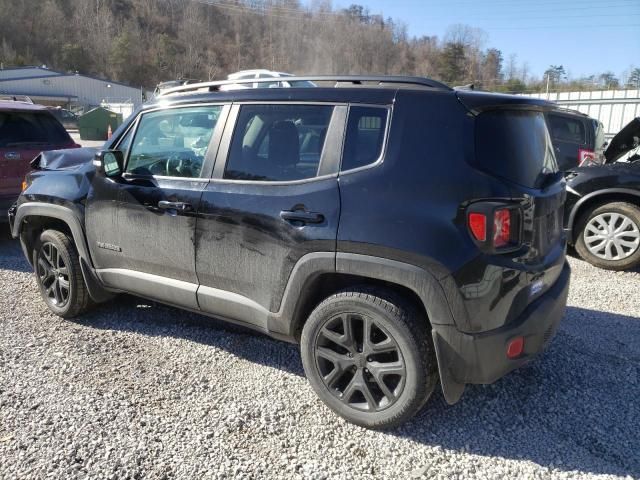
(609, 236)
(369, 356)
(57, 267)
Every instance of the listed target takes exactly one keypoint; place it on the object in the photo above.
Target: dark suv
(25, 130)
(401, 231)
(578, 139)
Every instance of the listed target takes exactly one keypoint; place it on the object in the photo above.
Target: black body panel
(247, 248)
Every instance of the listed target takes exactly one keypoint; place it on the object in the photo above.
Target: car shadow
(575, 408)
(133, 314)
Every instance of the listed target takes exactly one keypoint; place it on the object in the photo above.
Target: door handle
(301, 216)
(179, 206)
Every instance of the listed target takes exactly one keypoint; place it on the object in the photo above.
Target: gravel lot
(139, 390)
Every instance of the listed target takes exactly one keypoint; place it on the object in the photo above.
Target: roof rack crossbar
(354, 79)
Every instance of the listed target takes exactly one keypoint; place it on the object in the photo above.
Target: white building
(69, 90)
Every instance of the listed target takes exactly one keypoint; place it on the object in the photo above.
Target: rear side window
(275, 143)
(514, 145)
(567, 129)
(28, 128)
(366, 129)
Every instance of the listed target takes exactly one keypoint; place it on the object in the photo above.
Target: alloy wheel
(612, 236)
(53, 275)
(360, 362)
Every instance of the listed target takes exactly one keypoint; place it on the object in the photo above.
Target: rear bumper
(481, 358)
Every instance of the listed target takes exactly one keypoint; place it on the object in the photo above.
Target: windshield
(515, 145)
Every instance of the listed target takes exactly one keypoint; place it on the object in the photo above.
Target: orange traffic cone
(109, 132)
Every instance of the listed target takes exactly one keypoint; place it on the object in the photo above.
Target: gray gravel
(139, 390)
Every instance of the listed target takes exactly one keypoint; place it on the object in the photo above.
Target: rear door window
(276, 143)
(514, 145)
(567, 129)
(29, 128)
(366, 130)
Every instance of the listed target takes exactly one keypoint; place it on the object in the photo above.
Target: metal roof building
(72, 90)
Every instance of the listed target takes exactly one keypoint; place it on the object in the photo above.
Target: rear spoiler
(477, 102)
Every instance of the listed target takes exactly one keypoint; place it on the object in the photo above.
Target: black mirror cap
(109, 163)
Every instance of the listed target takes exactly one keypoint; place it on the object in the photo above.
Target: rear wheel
(609, 236)
(59, 276)
(369, 356)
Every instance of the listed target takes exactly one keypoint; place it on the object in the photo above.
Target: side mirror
(110, 163)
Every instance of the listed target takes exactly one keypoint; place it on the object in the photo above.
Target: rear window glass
(28, 128)
(365, 136)
(514, 145)
(567, 129)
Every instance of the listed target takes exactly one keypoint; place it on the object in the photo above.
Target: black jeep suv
(401, 231)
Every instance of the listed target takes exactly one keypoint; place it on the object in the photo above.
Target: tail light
(494, 226)
(585, 157)
(478, 226)
(501, 227)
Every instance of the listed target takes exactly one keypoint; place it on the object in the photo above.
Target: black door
(169, 162)
(273, 198)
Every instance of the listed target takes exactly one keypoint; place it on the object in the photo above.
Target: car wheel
(57, 268)
(369, 356)
(609, 236)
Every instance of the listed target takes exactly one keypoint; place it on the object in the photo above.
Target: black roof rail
(214, 86)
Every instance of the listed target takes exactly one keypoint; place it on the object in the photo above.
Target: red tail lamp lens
(501, 228)
(478, 226)
(515, 347)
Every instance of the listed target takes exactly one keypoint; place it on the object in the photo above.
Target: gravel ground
(139, 390)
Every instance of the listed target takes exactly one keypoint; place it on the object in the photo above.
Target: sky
(585, 36)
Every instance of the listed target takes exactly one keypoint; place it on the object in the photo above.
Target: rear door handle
(301, 216)
(179, 206)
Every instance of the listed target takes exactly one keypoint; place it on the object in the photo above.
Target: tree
(555, 74)
(492, 68)
(634, 78)
(452, 62)
(609, 80)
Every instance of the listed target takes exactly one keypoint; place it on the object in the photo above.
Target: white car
(278, 82)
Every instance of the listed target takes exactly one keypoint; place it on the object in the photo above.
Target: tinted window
(28, 128)
(567, 129)
(365, 136)
(172, 142)
(278, 142)
(514, 145)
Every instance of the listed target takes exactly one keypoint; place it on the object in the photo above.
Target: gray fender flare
(424, 284)
(65, 214)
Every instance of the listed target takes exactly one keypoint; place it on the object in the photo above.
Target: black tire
(59, 275)
(603, 211)
(393, 320)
